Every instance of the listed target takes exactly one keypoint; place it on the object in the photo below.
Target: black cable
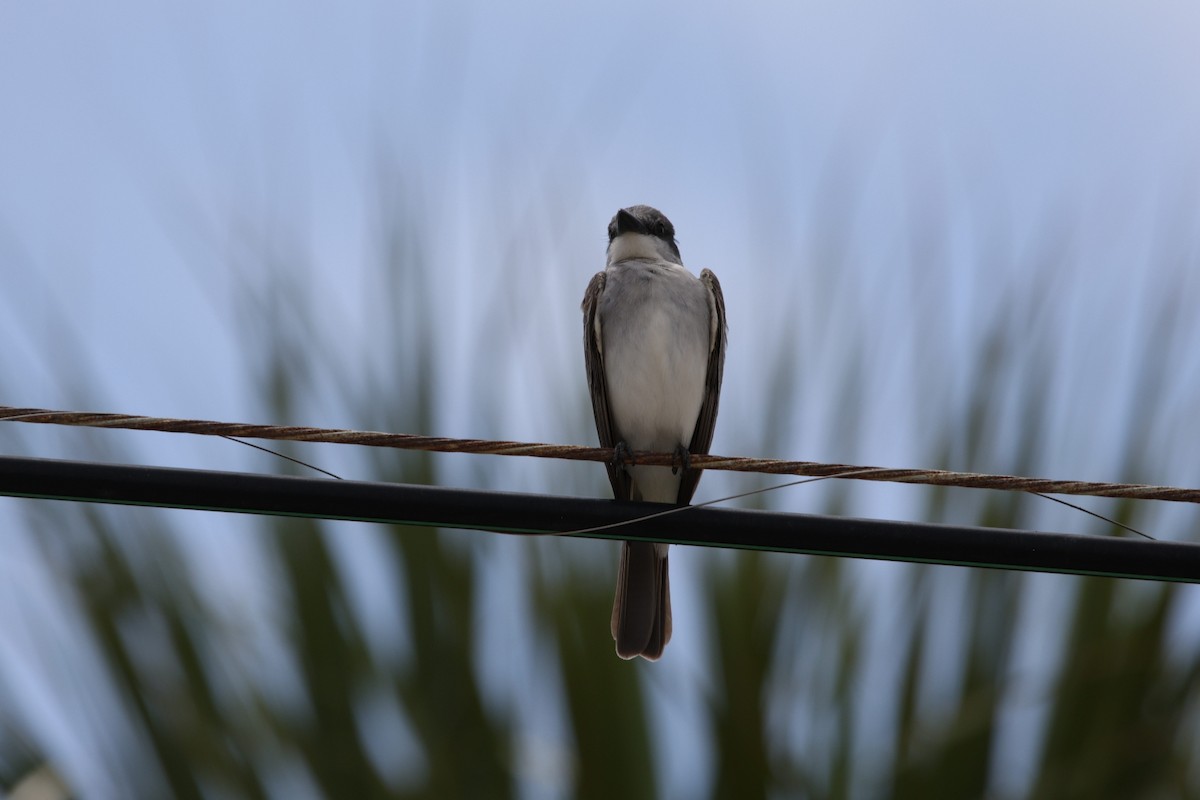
(403, 504)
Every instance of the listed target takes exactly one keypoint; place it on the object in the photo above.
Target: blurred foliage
(806, 690)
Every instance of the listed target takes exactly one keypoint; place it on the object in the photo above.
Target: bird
(654, 348)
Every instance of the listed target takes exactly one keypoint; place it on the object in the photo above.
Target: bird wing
(702, 434)
(593, 350)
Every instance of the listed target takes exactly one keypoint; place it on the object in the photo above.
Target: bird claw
(683, 457)
(621, 455)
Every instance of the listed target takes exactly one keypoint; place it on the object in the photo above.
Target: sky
(864, 176)
(133, 127)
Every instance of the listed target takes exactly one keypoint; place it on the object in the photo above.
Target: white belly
(656, 360)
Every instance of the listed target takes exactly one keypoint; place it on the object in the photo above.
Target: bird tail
(641, 619)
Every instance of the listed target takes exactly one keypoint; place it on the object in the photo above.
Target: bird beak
(628, 223)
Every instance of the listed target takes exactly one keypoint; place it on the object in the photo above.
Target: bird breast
(654, 320)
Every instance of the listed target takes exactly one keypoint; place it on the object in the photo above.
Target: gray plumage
(654, 342)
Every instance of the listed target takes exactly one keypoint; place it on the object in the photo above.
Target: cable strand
(406, 441)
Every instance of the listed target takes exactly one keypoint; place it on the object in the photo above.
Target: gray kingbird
(654, 343)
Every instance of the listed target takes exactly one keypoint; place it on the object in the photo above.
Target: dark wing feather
(593, 351)
(703, 433)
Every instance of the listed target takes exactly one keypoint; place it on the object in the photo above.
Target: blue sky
(867, 179)
(132, 127)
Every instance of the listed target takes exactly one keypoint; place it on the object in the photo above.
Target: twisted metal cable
(406, 441)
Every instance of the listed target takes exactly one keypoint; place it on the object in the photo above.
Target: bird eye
(660, 228)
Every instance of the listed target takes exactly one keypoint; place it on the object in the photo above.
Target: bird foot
(683, 458)
(621, 455)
